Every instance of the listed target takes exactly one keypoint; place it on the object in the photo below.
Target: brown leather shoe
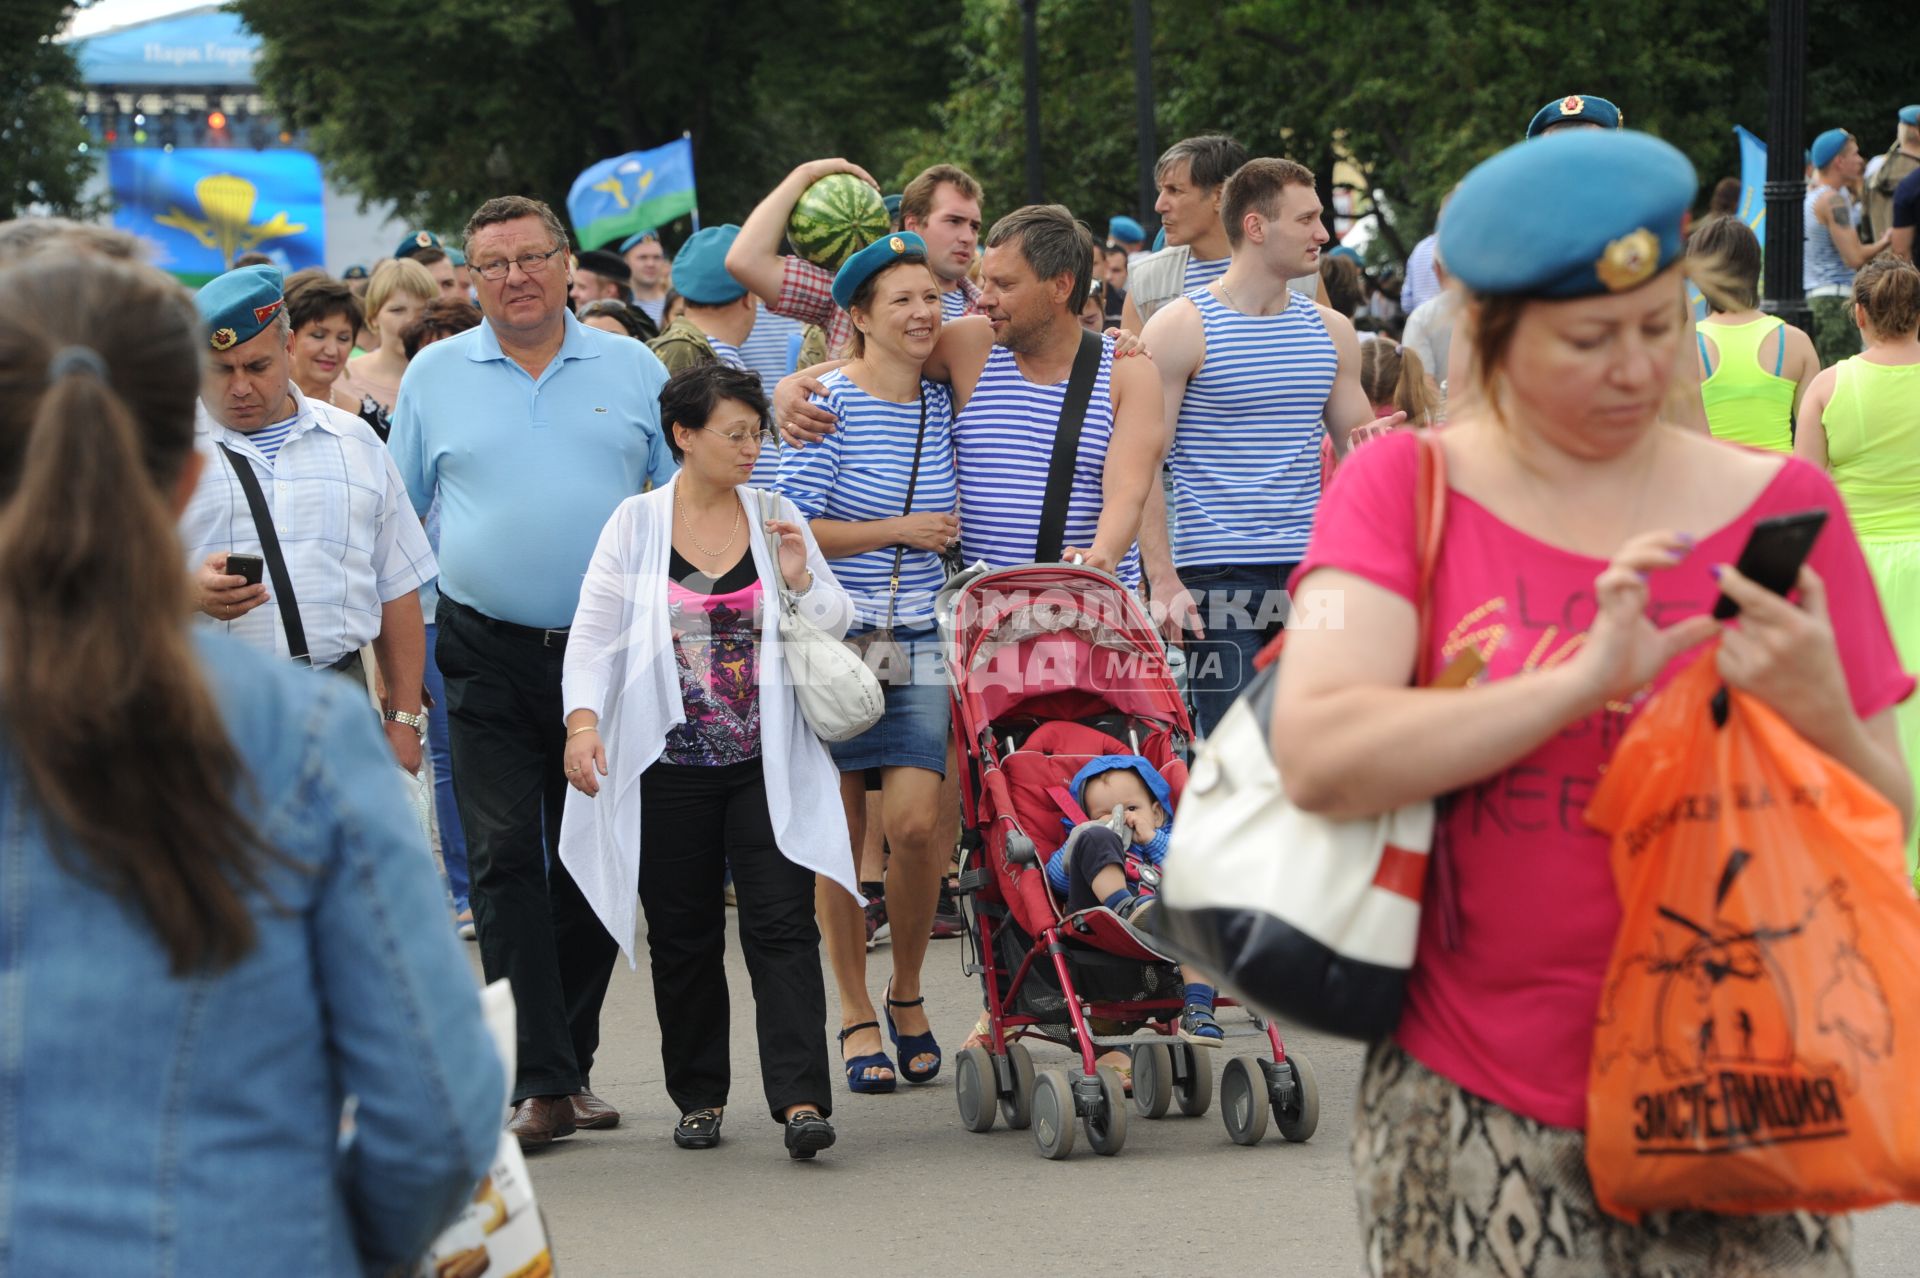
(540, 1120)
(590, 1112)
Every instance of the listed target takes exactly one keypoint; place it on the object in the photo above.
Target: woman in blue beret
(1585, 545)
(880, 494)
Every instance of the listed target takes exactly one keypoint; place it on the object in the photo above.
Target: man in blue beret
(1886, 172)
(413, 242)
(1835, 252)
(1575, 111)
(310, 490)
(462, 278)
(528, 431)
(1127, 233)
(720, 312)
(893, 208)
(647, 270)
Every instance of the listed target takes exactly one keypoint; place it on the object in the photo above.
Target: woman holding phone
(1585, 545)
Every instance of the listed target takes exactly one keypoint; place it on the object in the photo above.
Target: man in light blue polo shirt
(529, 430)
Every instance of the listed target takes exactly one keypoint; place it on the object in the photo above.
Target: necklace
(1225, 296)
(686, 521)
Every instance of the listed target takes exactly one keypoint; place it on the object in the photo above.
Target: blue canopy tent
(198, 49)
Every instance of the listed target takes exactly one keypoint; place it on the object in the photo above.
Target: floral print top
(716, 642)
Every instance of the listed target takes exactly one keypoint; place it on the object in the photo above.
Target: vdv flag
(1753, 182)
(202, 207)
(632, 193)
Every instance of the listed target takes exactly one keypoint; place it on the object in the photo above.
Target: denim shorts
(913, 731)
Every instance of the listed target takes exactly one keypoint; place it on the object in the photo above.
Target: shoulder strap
(1066, 450)
(913, 482)
(270, 551)
(1430, 522)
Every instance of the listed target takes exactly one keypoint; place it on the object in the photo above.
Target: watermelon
(835, 218)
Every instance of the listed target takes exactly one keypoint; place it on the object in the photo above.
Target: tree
(45, 159)
(439, 104)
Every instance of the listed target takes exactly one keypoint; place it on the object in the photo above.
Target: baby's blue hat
(1156, 784)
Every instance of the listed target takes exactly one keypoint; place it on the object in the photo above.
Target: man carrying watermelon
(830, 210)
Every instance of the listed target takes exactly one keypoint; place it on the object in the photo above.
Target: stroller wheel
(1017, 1109)
(1107, 1124)
(1301, 1114)
(1053, 1114)
(1152, 1079)
(1244, 1101)
(974, 1089)
(1193, 1079)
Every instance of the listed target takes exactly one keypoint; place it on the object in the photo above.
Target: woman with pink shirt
(1585, 546)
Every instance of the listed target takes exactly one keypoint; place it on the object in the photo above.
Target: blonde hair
(397, 275)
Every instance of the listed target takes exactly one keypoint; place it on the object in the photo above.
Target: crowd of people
(553, 512)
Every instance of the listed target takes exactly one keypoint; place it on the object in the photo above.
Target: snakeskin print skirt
(1453, 1184)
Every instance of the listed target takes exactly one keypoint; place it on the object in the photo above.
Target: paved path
(909, 1191)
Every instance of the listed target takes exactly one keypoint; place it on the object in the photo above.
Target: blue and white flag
(632, 193)
(200, 208)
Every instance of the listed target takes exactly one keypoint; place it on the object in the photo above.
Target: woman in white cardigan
(688, 755)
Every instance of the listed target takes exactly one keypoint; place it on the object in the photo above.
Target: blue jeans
(453, 840)
(1242, 606)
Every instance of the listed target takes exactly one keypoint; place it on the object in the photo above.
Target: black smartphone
(1774, 553)
(248, 566)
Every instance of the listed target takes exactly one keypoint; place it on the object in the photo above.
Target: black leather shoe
(698, 1130)
(808, 1133)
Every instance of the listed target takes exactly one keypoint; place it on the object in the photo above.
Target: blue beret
(238, 306)
(415, 241)
(355, 272)
(1910, 114)
(1573, 214)
(1826, 146)
(1148, 774)
(632, 240)
(873, 259)
(455, 256)
(700, 268)
(1159, 239)
(1125, 229)
(893, 203)
(1576, 108)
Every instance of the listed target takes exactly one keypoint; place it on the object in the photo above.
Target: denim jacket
(153, 1125)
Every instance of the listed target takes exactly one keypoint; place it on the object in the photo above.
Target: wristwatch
(418, 722)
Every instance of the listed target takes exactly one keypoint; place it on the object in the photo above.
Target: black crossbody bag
(283, 595)
(883, 654)
(1066, 451)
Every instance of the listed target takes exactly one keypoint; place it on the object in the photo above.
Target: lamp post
(1143, 103)
(1786, 190)
(1030, 41)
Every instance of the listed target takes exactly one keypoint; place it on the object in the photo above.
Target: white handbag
(1310, 919)
(840, 697)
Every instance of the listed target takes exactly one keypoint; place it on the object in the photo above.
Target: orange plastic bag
(1758, 1041)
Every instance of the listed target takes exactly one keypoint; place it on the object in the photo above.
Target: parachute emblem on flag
(226, 223)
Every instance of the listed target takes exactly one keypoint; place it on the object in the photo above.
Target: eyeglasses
(529, 263)
(739, 438)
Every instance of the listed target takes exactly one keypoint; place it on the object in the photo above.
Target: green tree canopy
(42, 164)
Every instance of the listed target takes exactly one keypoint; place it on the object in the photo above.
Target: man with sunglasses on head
(528, 431)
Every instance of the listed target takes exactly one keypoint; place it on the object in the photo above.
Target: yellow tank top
(1745, 403)
(1873, 447)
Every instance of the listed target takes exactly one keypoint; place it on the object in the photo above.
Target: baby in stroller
(1114, 861)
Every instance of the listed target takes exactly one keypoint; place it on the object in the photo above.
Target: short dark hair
(1255, 187)
(1728, 253)
(692, 396)
(442, 317)
(1346, 287)
(1726, 196)
(916, 201)
(620, 312)
(1211, 159)
(1054, 242)
(511, 208)
(252, 259)
(313, 300)
(429, 255)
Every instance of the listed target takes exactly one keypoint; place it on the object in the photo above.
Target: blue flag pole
(687, 137)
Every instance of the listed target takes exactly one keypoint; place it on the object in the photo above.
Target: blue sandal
(1198, 1027)
(912, 1045)
(857, 1082)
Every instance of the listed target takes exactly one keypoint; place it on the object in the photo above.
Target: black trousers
(695, 823)
(506, 736)
(1097, 849)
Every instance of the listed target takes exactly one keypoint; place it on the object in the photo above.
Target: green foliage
(41, 164)
(440, 104)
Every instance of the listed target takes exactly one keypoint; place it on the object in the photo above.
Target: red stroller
(1053, 665)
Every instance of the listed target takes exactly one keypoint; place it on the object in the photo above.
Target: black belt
(534, 634)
